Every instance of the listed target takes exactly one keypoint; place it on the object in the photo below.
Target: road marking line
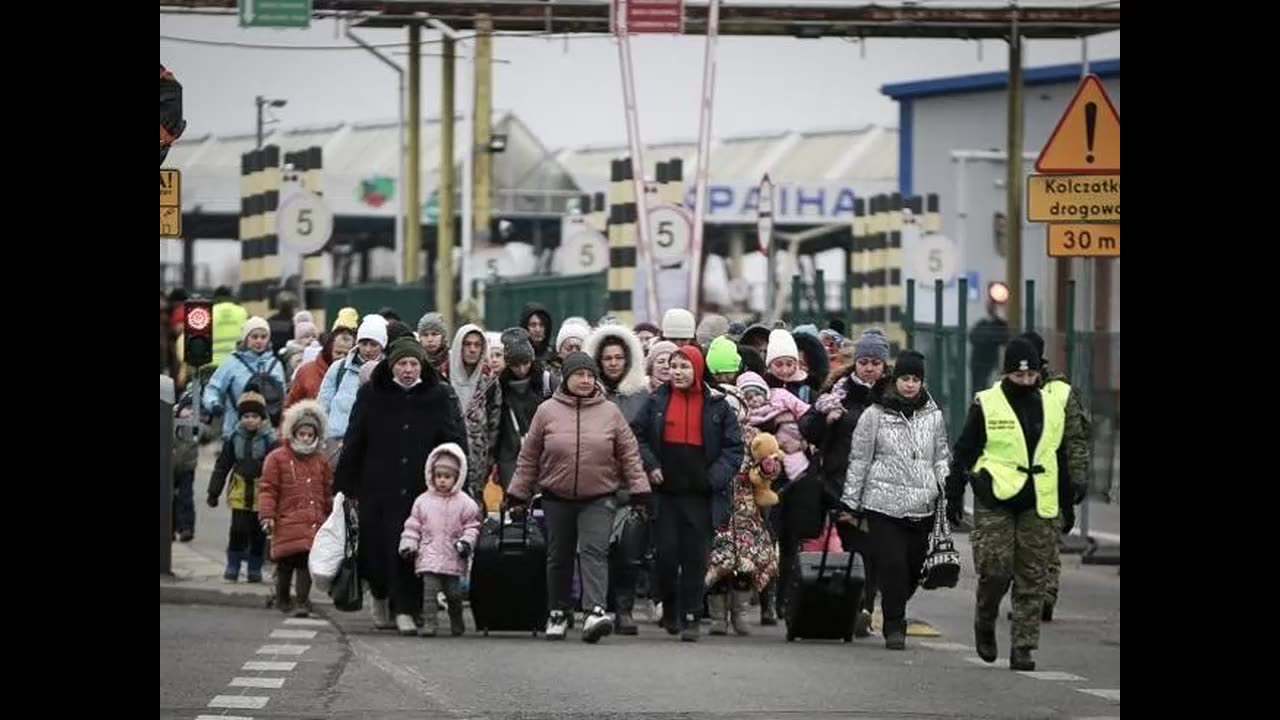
(293, 634)
(978, 661)
(282, 649)
(243, 702)
(957, 647)
(223, 717)
(269, 666)
(1112, 695)
(1050, 675)
(307, 622)
(271, 683)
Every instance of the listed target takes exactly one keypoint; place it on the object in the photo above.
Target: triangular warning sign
(1087, 138)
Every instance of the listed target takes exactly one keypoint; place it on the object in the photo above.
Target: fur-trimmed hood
(305, 408)
(456, 451)
(634, 380)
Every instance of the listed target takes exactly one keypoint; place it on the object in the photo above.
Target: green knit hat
(723, 356)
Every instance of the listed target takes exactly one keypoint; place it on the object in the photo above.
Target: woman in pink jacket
(441, 531)
(581, 453)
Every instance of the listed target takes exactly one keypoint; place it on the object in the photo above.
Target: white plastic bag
(329, 546)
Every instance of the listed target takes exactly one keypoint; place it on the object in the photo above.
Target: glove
(955, 509)
(1079, 493)
(464, 549)
(1068, 518)
(517, 509)
(407, 549)
(212, 501)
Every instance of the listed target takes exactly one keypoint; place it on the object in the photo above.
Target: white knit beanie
(568, 330)
(781, 345)
(373, 327)
(254, 323)
(678, 324)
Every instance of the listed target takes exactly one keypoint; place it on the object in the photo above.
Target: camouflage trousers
(1054, 570)
(1018, 549)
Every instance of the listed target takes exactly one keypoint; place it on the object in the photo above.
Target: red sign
(648, 16)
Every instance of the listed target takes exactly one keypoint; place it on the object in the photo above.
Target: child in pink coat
(778, 411)
(441, 531)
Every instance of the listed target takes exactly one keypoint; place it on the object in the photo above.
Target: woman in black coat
(403, 413)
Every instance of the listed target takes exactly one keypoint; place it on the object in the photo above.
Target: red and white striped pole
(704, 154)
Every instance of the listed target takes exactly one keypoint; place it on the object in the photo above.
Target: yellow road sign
(1087, 137)
(1073, 198)
(170, 203)
(1084, 240)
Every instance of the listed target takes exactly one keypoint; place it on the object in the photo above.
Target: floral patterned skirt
(744, 547)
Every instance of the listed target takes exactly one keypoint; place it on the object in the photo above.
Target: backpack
(266, 385)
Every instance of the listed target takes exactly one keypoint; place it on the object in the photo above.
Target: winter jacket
(480, 399)
(798, 385)
(520, 400)
(306, 383)
(229, 318)
(297, 489)
(392, 429)
(439, 520)
(239, 466)
(900, 457)
(1077, 435)
(835, 439)
(1029, 408)
(543, 349)
(229, 380)
(338, 392)
(632, 391)
(721, 443)
(781, 416)
(578, 449)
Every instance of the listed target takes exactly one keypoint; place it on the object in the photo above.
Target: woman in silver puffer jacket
(897, 466)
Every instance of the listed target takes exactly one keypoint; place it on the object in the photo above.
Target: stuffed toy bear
(766, 464)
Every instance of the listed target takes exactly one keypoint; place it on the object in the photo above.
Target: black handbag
(345, 591)
(942, 564)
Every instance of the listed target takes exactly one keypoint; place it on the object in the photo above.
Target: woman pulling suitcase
(898, 465)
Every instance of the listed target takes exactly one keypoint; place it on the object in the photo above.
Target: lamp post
(262, 102)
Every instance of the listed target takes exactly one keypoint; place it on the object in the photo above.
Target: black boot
(457, 626)
(692, 628)
(984, 635)
(1046, 612)
(768, 616)
(1020, 659)
(626, 625)
(895, 634)
(670, 617)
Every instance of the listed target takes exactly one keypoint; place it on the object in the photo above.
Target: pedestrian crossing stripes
(293, 634)
(282, 649)
(239, 702)
(307, 622)
(1050, 675)
(272, 683)
(269, 666)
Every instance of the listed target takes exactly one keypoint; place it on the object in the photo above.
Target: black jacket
(721, 444)
(835, 440)
(390, 434)
(517, 414)
(973, 439)
(540, 349)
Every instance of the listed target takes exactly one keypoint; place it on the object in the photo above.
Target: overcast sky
(569, 93)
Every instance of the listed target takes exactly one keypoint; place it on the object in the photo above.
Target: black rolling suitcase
(824, 595)
(509, 576)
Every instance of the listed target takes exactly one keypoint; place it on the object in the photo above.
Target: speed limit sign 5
(670, 229)
(304, 222)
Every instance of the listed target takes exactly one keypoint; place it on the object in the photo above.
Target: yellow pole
(482, 130)
(413, 223)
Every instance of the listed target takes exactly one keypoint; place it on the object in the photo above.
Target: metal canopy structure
(962, 20)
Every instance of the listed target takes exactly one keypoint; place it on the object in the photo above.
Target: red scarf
(683, 423)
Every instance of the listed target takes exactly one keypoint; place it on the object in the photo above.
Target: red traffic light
(198, 333)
